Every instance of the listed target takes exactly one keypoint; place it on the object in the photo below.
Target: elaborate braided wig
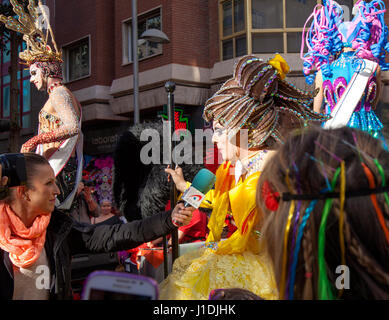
(257, 98)
(310, 237)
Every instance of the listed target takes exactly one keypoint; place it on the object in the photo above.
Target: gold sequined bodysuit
(49, 123)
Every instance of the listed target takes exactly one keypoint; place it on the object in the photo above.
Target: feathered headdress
(36, 31)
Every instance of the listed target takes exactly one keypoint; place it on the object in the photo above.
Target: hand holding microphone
(195, 194)
(182, 215)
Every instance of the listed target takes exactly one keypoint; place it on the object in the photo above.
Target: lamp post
(170, 86)
(156, 36)
(135, 69)
(152, 35)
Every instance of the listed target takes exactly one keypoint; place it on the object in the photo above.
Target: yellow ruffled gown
(237, 262)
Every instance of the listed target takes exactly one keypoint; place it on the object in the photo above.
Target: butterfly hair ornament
(37, 33)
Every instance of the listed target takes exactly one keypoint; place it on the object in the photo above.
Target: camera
(13, 166)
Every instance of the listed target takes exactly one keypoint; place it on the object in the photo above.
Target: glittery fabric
(245, 270)
(231, 262)
(343, 69)
(66, 179)
(54, 129)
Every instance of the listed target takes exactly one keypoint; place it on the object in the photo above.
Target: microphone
(201, 184)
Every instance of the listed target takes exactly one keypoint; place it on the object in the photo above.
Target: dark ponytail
(33, 160)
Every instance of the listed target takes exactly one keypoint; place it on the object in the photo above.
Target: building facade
(206, 37)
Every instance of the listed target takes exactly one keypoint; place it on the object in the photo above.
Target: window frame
(21, 77)
(127, 36)
(249, 31)
(233, 35)
(65, 49)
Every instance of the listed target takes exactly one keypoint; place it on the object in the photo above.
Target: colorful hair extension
(329, 152)
(341, 216)
(325, 290)
(300, 233)
(296, 221)
(372, 185)
(382, 174)
(373, 198)
(286, 234)
(323, 169)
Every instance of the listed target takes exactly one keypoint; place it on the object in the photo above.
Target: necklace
(54, 85)
(255, 163)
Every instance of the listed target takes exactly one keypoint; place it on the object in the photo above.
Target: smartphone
(111, 285)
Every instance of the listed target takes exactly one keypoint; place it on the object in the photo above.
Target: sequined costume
(59, 136)
(60, 140)
(343, 69)
(228, 263)
(347, 57)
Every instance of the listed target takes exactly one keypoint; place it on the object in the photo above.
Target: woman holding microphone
(37, 241)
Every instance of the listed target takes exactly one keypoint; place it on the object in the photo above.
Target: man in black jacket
(66, 237)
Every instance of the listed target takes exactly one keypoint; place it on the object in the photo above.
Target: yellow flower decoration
(279, 63)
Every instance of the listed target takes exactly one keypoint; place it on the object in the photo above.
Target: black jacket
(66, 237)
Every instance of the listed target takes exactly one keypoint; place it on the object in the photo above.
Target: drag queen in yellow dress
(252, 113)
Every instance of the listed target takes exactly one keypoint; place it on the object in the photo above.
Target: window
(233, 29)
(151, 20)
(23, 80)
(77, 60)
(265, 26)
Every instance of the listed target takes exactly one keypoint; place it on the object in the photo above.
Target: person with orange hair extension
(328, 235)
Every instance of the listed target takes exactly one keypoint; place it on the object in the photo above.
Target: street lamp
(155, 35)
(152, 35)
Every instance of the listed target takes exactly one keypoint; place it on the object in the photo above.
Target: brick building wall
(191, 59)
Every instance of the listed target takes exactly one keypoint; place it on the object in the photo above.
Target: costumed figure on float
(345, 58)
(256, 108)
(59, 136)
(141, 189)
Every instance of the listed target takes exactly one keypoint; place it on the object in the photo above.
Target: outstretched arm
(62, 102)
(109, 238)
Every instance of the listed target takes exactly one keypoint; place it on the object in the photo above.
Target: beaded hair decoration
(32, 26)
(328, 34)
(257, 99)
